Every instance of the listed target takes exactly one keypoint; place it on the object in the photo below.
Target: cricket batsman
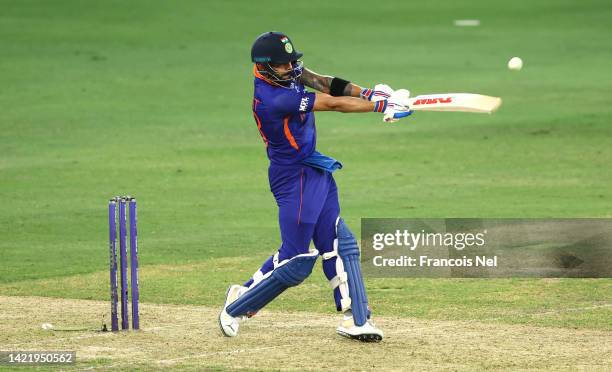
(302, 183)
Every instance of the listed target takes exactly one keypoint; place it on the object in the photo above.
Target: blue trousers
(308, 208)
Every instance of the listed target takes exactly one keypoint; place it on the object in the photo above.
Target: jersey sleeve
(292, 102)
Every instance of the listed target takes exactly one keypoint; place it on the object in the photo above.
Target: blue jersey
(285, 120)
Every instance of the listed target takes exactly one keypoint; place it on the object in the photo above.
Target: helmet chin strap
(272, 76)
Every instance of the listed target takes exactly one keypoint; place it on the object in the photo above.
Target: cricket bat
(462, 102)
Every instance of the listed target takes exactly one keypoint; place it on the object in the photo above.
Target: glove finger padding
(400, 97)
(381, 92)
(397, 106)
(392, 118)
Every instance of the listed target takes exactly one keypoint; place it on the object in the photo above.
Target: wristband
(366, 93)
(380, 106)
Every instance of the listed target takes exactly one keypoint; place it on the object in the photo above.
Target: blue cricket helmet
(274, 47)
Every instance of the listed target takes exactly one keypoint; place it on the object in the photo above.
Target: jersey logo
(304, 104)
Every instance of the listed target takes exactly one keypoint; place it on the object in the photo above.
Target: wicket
(123, 261)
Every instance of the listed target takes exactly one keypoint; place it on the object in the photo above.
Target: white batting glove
(379, 93)
(398, 106)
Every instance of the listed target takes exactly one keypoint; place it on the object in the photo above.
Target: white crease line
(560, 311)
(411, 330)
(484, 320)
(153, 329)
(100, 334)
(171, 361)
(52, 340)
(237, 351)
(572, 309)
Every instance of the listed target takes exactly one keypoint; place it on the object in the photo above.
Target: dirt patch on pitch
(188, 337)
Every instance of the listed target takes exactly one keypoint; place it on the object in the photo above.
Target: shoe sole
(364, 337)
(219, 317)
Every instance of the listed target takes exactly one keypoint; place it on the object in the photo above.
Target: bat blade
(461, 102)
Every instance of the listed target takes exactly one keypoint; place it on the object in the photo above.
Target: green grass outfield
(153, 99)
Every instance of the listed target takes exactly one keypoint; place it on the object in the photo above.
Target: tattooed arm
(322, 83)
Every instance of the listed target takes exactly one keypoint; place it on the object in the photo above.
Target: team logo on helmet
(288, 48)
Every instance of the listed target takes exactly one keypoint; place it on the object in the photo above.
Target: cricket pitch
(187, 337)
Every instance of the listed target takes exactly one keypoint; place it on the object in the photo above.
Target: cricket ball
(515, 64)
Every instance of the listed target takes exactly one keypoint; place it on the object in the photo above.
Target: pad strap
(287, 274)
(340, 281)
